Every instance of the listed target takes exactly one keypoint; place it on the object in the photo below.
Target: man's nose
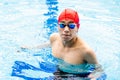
(66, 29)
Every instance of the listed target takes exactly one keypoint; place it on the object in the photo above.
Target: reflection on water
(51, 22)
(24, 70)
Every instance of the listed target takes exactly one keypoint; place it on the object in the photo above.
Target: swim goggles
(70, 25)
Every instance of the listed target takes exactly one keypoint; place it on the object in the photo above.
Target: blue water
(30, 22)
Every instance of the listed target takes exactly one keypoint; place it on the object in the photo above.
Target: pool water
(31, 23)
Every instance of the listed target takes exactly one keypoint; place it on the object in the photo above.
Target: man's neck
(70, 43)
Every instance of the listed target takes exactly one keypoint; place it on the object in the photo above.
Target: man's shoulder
(54, 34)
(53, 37)
(82, 45)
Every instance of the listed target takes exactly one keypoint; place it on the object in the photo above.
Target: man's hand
(92, 76)
(25, 47)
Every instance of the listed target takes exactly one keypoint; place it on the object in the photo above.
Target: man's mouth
(66, 35)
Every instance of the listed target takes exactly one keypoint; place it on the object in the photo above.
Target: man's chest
(70, 55)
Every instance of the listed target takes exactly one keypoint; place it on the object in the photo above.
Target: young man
(74, 49)
(67, 46)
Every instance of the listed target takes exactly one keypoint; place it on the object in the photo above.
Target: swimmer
(67, 45)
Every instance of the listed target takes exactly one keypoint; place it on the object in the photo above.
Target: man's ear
(77, 30)
(78, 25)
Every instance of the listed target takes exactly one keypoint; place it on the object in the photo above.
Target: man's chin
(66, 39)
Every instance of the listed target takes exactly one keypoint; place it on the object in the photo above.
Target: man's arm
(43, 45)
(90, 57)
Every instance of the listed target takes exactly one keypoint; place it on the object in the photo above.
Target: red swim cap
(69, 14)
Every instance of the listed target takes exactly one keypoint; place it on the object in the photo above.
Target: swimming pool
(31, 22)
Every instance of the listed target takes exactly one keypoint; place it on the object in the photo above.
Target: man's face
(67, 29)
